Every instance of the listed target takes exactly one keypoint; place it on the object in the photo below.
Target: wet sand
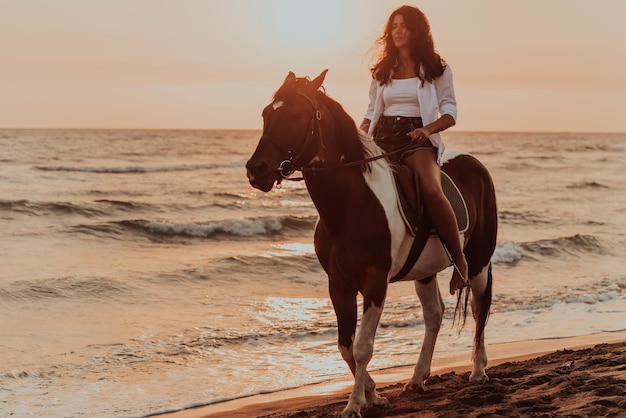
(580, 376)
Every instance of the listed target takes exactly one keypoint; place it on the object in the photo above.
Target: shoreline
(337, 391)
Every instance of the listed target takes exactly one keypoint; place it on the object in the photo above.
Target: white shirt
(400, 98)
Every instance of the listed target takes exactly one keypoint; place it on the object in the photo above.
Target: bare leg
(440, 210)
(432, 307)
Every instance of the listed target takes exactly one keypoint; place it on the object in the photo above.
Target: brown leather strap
(419, 242)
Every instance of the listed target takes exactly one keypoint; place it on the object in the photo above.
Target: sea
(140, 273)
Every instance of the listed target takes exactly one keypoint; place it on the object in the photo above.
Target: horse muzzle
(261, 175)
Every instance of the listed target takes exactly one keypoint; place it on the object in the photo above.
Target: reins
(287, 168)
(303, 169)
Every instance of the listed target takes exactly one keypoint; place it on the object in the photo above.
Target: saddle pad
(456, 200)
(452, 193)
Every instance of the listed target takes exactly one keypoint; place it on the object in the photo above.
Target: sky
(519, 65)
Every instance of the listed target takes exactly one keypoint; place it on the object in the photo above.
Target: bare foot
(459, 277)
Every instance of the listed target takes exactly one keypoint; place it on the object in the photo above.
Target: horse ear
(290, 76)
(318, 81)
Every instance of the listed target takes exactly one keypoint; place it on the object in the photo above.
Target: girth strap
(419, 242)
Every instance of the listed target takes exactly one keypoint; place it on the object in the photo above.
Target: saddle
(409, 199)
(415, 217)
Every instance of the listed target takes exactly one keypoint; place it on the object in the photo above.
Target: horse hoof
(413, 387)
(380, 401)
(349, 413)
(478, 377)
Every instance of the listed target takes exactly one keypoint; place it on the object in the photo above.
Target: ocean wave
(507, 253)
(40, 208)
(280, 266)
(100, 207)
(621, 147)
(80, 288)
(126, 205)
(594, 293)
(249, 227)
(204, 339)
(136, 169)
(522, 218)
(574, 244)
(235, 195)
(587, 185)
(511, 253)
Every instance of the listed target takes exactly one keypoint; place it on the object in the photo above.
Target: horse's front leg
(357, 352)
(432, 307)
(345, 306)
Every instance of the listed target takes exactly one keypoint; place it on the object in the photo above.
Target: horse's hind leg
(432, 308)
(481, 285)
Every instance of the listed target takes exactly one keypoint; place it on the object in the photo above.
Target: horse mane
(353, 140)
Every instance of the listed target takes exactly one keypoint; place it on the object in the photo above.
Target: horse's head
(290, 132)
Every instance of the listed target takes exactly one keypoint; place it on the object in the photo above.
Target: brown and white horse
(361, 239)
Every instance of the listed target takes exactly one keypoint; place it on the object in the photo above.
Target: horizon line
(260, 129)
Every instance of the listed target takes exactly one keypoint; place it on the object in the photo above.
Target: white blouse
(400, 98)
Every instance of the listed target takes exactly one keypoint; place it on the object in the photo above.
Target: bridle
(287, 167)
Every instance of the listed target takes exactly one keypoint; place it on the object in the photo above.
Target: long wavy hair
(428, 63)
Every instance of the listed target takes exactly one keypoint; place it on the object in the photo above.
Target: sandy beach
(580, 376)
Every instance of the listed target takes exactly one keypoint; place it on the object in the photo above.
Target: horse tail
(460, 310)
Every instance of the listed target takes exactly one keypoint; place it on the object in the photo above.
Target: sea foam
(507, 253)
(234, 227)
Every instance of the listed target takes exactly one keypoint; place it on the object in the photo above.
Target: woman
(412, 100)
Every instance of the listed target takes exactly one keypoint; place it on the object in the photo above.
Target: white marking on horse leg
(363, 392)
(371, 396)
(348, 357)
(432, 307)
(479, 286)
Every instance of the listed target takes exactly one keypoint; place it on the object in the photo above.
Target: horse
(360, 238)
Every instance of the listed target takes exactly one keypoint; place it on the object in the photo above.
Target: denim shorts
(390, 135)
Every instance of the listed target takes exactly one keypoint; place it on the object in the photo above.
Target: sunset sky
(519, 65)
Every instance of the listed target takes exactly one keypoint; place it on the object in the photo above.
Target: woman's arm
(367, 120)
(444, 86)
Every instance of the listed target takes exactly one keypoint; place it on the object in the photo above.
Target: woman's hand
(422, 134)
(365, 125)
(419, 135)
